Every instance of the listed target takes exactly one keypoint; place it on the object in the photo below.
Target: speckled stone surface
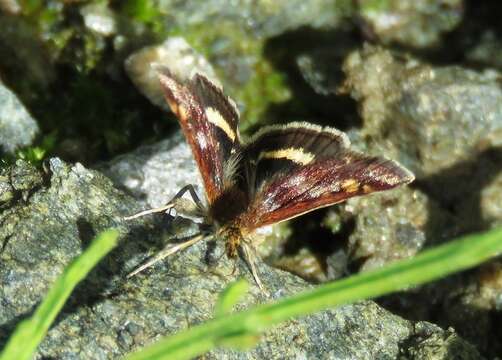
(17, 127)
(264, 19)
(177, 55)
(436, 116)
(112, 316)
(418, 24)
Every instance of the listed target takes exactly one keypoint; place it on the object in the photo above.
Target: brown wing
(209, 121)
(278, 149)
(301, 168)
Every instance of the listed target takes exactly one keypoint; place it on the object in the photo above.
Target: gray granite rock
(263, 19)
(417, 24)
(17, 127)
(435, 117)
(99, 18)
(431, 342)
(445, 124)
(491, 201)
(109, 316)
(487, 51)
(389, 226)
(153, 174)
(174, 53)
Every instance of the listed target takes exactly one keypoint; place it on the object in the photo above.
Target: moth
(282, 172)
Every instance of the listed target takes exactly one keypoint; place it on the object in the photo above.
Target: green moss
(65, 37)
(141, 10)
(47, 18)
(374, 5)
(266, 87)
(35, 154)
(146, 12)
(45, 13)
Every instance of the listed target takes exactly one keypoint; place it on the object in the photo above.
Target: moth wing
(209, 120)
(278, 149)
(301, 168)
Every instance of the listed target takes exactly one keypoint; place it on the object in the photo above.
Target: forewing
(311, 169)
(209, 120)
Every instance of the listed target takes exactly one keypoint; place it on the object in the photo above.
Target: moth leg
(234, 268)
(164, 208)
(174, 203)
(170, 249)
(193, 194)
(250, 258)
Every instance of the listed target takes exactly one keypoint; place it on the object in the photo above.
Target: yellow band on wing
(215, 118)
(296, 155)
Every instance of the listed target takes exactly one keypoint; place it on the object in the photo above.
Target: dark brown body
(225, 214)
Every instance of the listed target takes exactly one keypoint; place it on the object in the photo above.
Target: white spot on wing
(202, 141)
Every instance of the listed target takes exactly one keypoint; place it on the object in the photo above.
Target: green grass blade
(28, 334)
(427, 266)
(230, 297)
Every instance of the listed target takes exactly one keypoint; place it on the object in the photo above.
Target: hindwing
(301, 167)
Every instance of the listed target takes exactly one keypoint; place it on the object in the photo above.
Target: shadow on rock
(458, 189)
(312, 62)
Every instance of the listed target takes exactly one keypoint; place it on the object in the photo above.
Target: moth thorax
(228, 206)
(233, 237)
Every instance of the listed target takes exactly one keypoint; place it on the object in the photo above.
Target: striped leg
(170, 249)
(172, 204)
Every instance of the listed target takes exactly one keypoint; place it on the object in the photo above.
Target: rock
(435, 117)
(431, 342)
(445, 124)
(468, 303)
(281, 61)
(491, 201)
(154, 174)
(112, 316)
(6, 190)
(17, 127)
(391, 225)
(25, 177)
(174, 53)
(99, 18)
(262, 19)
(11, 7)
(317, 70)
(417, 24)
(487, 51)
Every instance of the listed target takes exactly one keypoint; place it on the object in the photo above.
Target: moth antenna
(250, 258)
(170, 249)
